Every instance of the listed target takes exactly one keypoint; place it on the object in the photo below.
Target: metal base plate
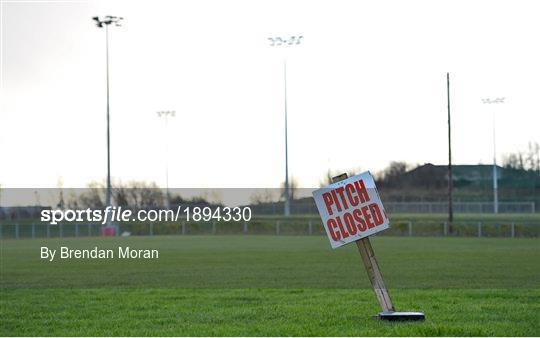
(401, 316)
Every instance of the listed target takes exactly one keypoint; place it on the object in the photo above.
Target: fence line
(306, 207)
(280, 227)
(460, 207)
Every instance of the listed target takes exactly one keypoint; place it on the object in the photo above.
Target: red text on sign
(351, 195)
(358, 216)
(355, 221)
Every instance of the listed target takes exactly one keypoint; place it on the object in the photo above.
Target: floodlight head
(98, 22)
(166, 113)
(279, 41)
(107, 20)
(496, 100)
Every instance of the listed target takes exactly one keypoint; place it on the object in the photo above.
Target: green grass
(277, 262)
(269, 285)
(267, 312)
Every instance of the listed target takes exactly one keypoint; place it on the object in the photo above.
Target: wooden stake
(374, 274)
(372, 267)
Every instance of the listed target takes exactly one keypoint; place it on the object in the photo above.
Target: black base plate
(401, 316)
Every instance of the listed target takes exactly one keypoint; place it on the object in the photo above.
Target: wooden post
(374, 274)
(479, 229)
(445, 228)
(513, 229)
(372, 267)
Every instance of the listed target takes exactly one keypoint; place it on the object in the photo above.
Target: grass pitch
(269, 285)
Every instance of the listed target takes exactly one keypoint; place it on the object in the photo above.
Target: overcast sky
(367, 86)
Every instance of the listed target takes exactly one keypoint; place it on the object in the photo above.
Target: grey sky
(366, 87)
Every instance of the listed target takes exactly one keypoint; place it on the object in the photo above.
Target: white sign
(351, 209)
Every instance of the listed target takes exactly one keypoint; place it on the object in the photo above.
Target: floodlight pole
(109, 185)
(495, 178)
(166, 113)
(278, 41)
(100, 22)
(450, 180)
(287, 205)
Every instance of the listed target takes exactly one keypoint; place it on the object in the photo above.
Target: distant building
(470, 175)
